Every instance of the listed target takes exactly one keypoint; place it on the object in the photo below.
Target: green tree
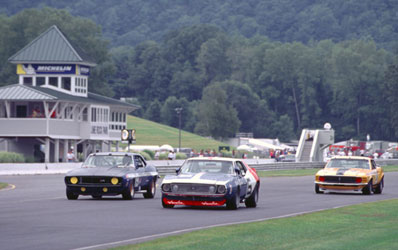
(215, 117)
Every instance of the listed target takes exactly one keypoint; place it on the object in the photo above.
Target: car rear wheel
(368, 189)
(233, 203)
(380, 186)
(71, 196)
(130, 192)
(151, 191)
(317, 190)
(253, 199)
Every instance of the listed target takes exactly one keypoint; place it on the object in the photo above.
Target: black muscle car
(109, 174)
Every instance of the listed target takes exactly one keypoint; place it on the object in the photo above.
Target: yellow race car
(350, 173)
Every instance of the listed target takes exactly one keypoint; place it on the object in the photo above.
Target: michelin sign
(48, 69)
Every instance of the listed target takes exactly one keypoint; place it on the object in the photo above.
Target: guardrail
(163, 167)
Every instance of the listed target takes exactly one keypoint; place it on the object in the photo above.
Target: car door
(375, 174)
(140, 164)
(241, 178)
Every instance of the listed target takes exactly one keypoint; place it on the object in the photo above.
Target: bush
(181, 156)
(163, 156)
(146, 155)
(150, 153)
(10, 157)
(226, 153)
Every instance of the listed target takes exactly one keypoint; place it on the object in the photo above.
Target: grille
(340, 179)
(192, 188)
(96, 180)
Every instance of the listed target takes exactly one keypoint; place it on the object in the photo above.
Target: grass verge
(365, 226)
(304, 172)
(152, 133)
(3, 185)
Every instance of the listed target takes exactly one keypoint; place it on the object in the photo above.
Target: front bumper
(194, 200)
(341, 186)
(96, 190)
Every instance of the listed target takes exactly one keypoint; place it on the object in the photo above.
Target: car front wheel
(233, 203)
(368, 189)
(253, 199)
(317, 190)
(151, 191)
(71, 196)
(130, 192)
(380, 186)
(166, 205)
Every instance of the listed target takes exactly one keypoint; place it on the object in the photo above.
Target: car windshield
(348, 163)
(207, 166)
(108, 161)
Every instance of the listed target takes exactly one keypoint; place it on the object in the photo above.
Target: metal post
(178, 110)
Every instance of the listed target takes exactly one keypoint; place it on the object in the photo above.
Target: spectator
(70, 156)
(157, 154)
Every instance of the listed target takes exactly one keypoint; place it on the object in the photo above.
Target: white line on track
(155, 236)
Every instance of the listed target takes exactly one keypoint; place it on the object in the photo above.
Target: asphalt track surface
(37, 215)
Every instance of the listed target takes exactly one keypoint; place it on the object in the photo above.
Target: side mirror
(237, 170)
(178, 170)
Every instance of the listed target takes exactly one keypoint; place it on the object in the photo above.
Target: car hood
(199, 178)
(344, 171)
(100, 171)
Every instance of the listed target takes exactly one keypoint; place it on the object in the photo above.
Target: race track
(37, 215)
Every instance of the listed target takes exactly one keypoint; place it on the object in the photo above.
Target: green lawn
(3, 185)
(364, 226)
(303, 172)
(152, 133)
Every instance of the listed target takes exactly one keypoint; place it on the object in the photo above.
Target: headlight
(212, 189)
(166, 187)
(174, 188)
(114, 180)
(74, 180)
(221, 189)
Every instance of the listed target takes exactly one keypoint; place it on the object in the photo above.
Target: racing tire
(368, 189)
(380, 186)
(71, 195)
(151, 191)
(253, 199)
(317, 190)
(97, 197)
(233, 203)
(130, 192)
(164, 205)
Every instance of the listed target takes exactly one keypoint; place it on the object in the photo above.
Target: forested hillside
(297, 69)
(130, 22)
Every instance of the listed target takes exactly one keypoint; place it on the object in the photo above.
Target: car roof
(212, 159)
(351, 157)
(115, 153)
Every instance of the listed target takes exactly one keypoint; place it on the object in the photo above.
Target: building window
(65, 83)
(85, 114)
(28, 81)
(93, 115)
(40, 81)
(53, 81)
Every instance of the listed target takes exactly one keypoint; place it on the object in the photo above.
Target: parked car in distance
(350, 173)
(211, 181)
(110, 174)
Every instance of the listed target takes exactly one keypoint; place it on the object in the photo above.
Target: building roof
(30, 93)
(51, 46)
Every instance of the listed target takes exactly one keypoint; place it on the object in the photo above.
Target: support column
(75, 149)
(66, 147)
(56, 150)
(47, 150)
(117, 146)
(85, 148)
